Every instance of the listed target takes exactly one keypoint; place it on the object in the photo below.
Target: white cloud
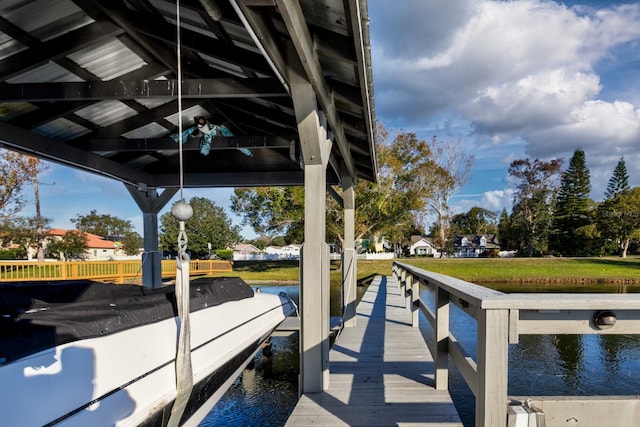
(535, 77)
(494, 201)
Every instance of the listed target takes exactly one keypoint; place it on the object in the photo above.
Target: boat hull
(128, 378)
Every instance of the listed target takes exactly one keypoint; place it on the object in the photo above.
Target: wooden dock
(381, 372)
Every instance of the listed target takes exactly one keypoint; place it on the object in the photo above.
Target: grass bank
(476, 270)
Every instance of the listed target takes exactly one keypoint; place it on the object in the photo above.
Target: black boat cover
(38, 315)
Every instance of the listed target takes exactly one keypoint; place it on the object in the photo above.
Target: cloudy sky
(508, 79)
(512, 80)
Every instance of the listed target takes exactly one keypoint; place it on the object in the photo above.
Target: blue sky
(508, 79)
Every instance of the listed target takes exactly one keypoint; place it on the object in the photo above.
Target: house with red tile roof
(98, 248)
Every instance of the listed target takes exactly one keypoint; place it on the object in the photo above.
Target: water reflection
(553, 365)
(267, 390)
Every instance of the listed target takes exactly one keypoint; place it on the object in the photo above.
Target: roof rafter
(33, 144)
(296, 26)
(137, 89)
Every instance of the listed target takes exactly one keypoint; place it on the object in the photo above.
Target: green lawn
(478, 270)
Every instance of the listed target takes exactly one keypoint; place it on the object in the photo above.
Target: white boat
(86, 353)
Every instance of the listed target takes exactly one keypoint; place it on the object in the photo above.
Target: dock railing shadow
(501, 318)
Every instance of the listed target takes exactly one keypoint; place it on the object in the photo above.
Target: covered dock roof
(93, 85)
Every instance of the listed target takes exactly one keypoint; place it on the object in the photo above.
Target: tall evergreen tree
(619, 181)
(506, 235)
(572, 207)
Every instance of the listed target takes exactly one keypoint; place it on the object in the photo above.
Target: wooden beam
(140, 89)
(357, 11)
(295, 22)
(232, 179)
(122, 145)
(261, 31)
(17, 139)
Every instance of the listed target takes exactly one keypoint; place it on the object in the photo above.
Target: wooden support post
(314, 262)
(491, 398)
(442, 340)
(349, 256)
(314, 289)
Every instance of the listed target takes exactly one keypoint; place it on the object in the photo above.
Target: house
(475, 245)
(245, 249)
(98, 248)
(422, 246)
(291, 251)
(380, 245)
(273, 250)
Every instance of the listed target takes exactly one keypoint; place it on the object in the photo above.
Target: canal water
(560, 365)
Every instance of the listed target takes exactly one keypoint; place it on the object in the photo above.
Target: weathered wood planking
(381, 371)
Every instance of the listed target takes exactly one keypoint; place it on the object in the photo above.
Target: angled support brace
(150, 203)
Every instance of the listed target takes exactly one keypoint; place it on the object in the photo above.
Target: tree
(453, 171)
(36, 167)
(531, 215)
(271, 210)
(132, 243)
(476, 221)
(73, 244)
(393, 203)
(619, 181)
(393, 206)
(103, 225)
(14, 173)
(619, 218)
(209, 224)
(507, 234)
(572, 208)
(28, 232)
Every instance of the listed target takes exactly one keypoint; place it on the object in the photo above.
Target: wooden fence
(108, 271)
(501, 318)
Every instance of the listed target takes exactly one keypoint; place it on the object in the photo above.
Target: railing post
(415, 298)
(407, 291)
(442, 339)
(491, 399)
(121, 273)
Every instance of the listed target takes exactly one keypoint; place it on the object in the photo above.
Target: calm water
(538, 365)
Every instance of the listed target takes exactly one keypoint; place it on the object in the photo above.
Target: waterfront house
(475, 245)
(422, 246)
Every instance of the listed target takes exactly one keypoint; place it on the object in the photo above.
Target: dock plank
(381, 372)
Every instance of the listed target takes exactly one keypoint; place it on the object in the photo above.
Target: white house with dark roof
(422, 246)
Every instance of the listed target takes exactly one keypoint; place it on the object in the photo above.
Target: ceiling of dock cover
(92, 84)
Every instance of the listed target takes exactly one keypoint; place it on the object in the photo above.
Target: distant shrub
(226, 254)
(11, 253)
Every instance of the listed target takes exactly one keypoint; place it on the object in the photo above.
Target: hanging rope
(182, 211)
(184, 373)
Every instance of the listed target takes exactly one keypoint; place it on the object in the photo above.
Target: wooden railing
(110, 271)
(501, 318)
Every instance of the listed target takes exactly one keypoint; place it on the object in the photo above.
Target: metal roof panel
(44, 19)
(61, 129)
(107, 60)
(105, 113)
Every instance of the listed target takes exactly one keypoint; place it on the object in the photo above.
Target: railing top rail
(472, 293)
(553, 301)
(486, 298)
